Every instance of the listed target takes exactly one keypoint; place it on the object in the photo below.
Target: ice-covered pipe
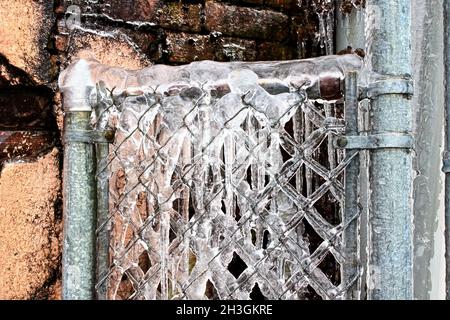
(321, 77)
(78, 263)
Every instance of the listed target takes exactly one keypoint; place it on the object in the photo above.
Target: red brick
(133, 10)
(256, 2)
(275, 51)
(185, 48)
(61, 42)
(60, 9)
(117, 51)
(25, 27)
(233, 49)
(171, 15)
(183, 17)
(302, 27)
(246, 22)
(282, 4)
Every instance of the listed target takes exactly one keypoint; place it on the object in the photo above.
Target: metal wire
(232, 197)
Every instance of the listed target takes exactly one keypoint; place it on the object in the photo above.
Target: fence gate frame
(86, 198)
(389, 87)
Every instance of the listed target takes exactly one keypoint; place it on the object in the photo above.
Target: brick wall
(38, 39)
(174, 32)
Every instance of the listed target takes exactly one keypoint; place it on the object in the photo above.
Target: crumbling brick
(275, 51)
(115, 51)
(246, 22)
(131, 10)
(24, 33)
(167, 14)
(282, 4)
(185, 48)
(179, 16)
(234, 49)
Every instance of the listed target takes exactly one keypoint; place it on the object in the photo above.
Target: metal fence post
(388, 36)
(446, 167)
(78, 265)
(103, 226)
(79, 217)
(351, 210)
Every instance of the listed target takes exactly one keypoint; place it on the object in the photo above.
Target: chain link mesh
(222, 195)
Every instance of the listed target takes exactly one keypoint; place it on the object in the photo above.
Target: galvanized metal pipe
(78, 272)
(78, 263)
(103, 225)
(388, 49)
(447, 154)
(350, 268)
(350, 32)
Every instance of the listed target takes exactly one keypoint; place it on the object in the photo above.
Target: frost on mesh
(223, 194)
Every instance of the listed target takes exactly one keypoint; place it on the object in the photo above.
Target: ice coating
(317, 76)
(77, 84)
(218, 184)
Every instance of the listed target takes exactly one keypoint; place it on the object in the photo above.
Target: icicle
(217, 162)
(331, 151)
(325, 12)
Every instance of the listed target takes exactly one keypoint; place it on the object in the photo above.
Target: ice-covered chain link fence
(223, 194)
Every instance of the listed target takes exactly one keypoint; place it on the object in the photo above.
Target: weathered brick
(127, 10)
(289, 6)
(233, 49)
(183, 17)
(185, 48)
(61, 42)
(275, 51)
(168, 14)
(141, 40)
(281, 4)
(133, 10)
(303, 27)
(25, 28)
(256, 2)
(116, 51)
(246, 22)
(29, 226)
(26, 108)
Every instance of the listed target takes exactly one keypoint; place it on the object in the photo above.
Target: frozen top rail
(321, 78)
